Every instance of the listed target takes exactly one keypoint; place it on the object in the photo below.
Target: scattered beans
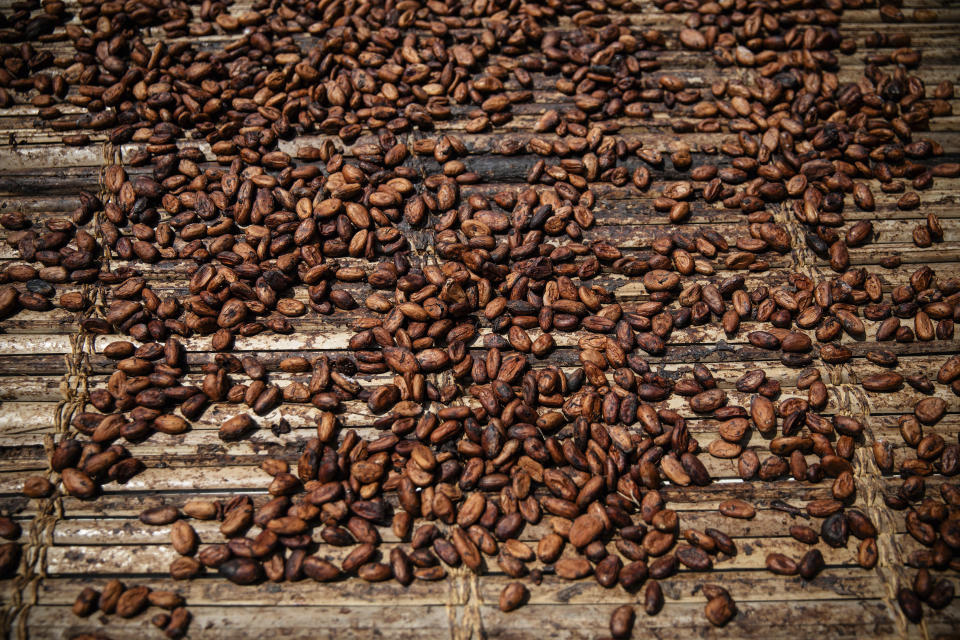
(450, 359)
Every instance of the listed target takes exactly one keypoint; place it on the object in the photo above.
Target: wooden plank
(842, 602)
(888, 235)
(206, 468)
(22, 117)
(835, 619)
(49, 195)
(46, 389)
(127, 531)
(33, 146)
(202, 446)
(156, 559)
(683, 588)
(41, 348)
(676, 360)
(25, 424)
(168, 278)
(685, 499)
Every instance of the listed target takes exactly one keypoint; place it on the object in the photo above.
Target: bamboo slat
(102, 538)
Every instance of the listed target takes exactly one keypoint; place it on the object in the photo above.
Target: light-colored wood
(682, 588)
(102, 538)
(155, 559)
(829, 618)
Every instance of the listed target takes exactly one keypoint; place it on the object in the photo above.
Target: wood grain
(103, 538)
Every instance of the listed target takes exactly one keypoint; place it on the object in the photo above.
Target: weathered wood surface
(103, 538)
(824, 618)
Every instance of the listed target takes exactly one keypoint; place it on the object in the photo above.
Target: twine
(867, 477)
(472, 619)
(74, 391)
(463, 594)
(457, 596)
(869, 481)
(33, 564)
(463, 591)
(799, 252)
